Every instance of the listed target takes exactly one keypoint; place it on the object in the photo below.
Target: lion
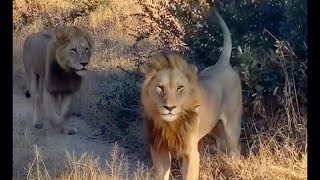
(55, 62)
(180, 106)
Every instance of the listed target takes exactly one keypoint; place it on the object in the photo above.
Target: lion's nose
(83, 64)
(169, 108)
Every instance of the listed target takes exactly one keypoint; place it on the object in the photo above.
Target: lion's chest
(169, 139)
(60, 81)
(172, 136)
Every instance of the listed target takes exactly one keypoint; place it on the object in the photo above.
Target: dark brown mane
(61, 81)
(171, 136)
(58, 79)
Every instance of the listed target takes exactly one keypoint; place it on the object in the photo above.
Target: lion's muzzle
(169, 113)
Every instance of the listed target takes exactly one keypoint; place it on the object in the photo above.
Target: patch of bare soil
(52, 147)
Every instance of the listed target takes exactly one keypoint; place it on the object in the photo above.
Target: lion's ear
(196, 108)
(89, 39)
(144, 69)
(147, 71)
(60, 33)
(87, 35)
(194, 68)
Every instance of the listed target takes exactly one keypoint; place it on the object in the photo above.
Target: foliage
(261, 31)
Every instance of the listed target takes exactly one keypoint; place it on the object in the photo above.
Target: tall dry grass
(283, 163)
(109, 96)
(87, 167)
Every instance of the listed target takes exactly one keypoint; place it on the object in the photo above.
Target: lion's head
(170, 86)
(170, 97)
(74, 48)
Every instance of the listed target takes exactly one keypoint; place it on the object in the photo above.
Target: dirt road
(52, 147)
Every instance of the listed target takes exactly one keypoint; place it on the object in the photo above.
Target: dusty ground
(126, 33)
(53, 148)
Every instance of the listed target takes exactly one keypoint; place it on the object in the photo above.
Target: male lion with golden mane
(54, 63)
(180, 107)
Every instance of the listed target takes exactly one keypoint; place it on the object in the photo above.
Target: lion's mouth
(168, 114)
(169, 117)
(82, 69)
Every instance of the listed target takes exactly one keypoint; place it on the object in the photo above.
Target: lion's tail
(225, 55)
(25, 88)
(27, 93)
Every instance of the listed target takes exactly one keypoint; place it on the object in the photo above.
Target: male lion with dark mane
(180, 107)
(54, 63)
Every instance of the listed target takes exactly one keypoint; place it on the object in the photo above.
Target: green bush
(269, 40)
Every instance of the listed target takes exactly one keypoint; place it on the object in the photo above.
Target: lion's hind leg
(27, 80)
(37, 96)
(232, 127)
(220, 137)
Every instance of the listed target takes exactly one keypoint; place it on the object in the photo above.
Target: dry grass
(87, 167)
(110, 94)
(283, 163)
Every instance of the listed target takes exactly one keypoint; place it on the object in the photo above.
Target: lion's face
(170, 90)
(78, 54)
(75, 51)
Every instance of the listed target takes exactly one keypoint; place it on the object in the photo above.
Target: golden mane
(163, 135)
(171, 92)
(170, 60)
(171, 136)
(63, 34)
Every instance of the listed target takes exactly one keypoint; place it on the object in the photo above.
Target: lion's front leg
(191, 163)
(161, 163)
(51, 109)
(65, 107)
(56, 112)
(191, 160)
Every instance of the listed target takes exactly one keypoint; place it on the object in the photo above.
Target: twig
(124, 70)
(271, 34)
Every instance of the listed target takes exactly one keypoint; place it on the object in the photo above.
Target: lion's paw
(38, 125)
(69, 131)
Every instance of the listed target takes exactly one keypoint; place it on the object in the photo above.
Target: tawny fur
(180, 107)
(55, 62)
(164, 135)
(172, 137)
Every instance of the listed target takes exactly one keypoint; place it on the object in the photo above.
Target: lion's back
(34, 52)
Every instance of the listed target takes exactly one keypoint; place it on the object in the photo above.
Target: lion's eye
(74, 50)
(87, 49)
(160, 87)
(179, 88)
